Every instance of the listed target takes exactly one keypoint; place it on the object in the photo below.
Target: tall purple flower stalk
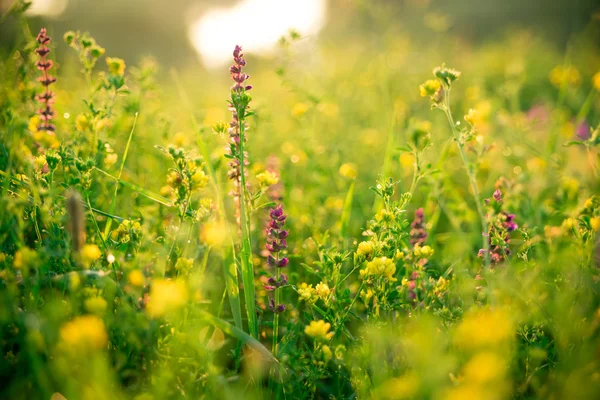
(235, 171)
(276, 244)
(47, 97)
(418, 234)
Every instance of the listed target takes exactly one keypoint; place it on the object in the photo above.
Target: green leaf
(242, 336)
(144, 192)
(574, 143)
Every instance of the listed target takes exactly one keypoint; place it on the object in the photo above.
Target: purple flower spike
(276, 243)
(418, 234)
(236, 71)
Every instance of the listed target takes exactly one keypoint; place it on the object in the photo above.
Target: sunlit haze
(47, 8)
(256, 24)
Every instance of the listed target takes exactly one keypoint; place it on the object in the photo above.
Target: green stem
(470, 174)
(246, 253)
(341, 324)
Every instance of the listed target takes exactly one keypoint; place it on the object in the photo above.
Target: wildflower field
(363, 215)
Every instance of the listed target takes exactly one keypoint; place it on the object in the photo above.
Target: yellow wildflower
(84, 333)
(89, 253)
(327, 353)
(214, 233)
(306, 291)
(34, 122)
(319, 330)
(82, 123)
(136, 278)
(596, 81)
(267, 178)
(430, 87)
(484, 327)
(180, 139)
(365, 248)
(484, 368)
(595, 223)
(110, 159)
(471, 116)
(565, 75)
(25, 258)
(200, 179)
(407, 160)
(380, 266)
(322, 290)
(348, 170)
(299, 109)
(40, 161)
(95, 305)
(569, 223)
(166, 296)
(116, 66)
(399, 255)
(423, 252)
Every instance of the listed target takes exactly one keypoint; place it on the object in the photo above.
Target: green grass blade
(242, 336)
(144, 192)
(347, 210)
(123, 159)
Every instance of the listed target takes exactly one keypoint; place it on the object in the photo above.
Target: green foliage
(428, 257)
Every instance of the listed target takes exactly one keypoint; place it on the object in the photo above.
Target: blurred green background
(133, 28)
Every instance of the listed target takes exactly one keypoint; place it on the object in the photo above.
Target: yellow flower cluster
(136, 278)
(484, 328)
(116, 66)
(596, 81)
(565, 75)
(214, 233)
(128, 230)
(166, 296)
(306, 292)
(441, 286)
(349, 171)
(380, 266)
(84, 333)
(319, 330)
(82, 123)
(299, 109)
(595, 223)
(267, 178)
(26, 258)
(423, 252)
(430, 87)
(200, 179)
(322, 290)
(311, 295)
(365, 248)
(385, 216)
(89, 253)
(95, 305)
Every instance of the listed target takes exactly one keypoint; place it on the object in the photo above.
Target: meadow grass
(343, 228)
